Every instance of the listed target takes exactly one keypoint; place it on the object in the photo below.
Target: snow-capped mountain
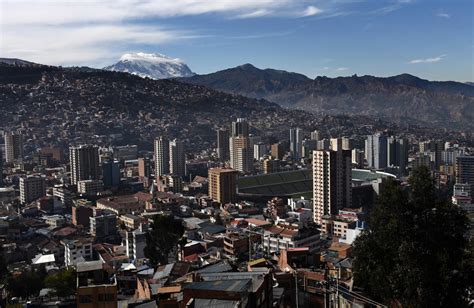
(152, 65)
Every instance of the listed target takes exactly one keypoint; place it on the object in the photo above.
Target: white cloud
(81, 45)
(311, 11)
(427, 60)
(70, 32)
(255, 14)
(341, 69)
(444, 15)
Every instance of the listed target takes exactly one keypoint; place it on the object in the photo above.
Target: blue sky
(432, 39)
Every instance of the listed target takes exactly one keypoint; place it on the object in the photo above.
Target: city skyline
(430, 39)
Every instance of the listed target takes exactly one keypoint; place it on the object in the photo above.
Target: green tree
(162, 237)
(415, 253)
(24, 285)
(62, 283)
(3, 265)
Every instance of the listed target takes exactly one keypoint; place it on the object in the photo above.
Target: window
(84, 299)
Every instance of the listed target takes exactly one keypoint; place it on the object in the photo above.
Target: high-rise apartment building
(13, 146)
(223, 144)
(177, 158)
(241, 154)
(277, 151)
(358, 158)
(111, 173)
(296, 142)
(144, 167)
(84, 161)
(223, 185)
(434, 146)
(259, 150)
(240, 128)
(31, 188)
(316, 135)
(465, 170)
(162, 156)
(332, 188)
(397, 154)
(1, 168)
(376, 151)
(343, 143)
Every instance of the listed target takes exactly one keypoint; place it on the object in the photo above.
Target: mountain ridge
(437, 103)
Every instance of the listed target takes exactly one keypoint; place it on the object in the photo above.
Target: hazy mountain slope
(445, 104)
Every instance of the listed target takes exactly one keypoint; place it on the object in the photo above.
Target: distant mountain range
(399, 98)
(151, 65)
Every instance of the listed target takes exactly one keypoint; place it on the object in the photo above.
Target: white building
(288, 236)
(55, 221)
(135, 242)
(90, 187)
(76, 251)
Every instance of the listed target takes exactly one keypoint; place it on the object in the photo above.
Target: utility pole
(296, 288)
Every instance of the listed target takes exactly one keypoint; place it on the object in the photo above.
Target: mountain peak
(151, 65)
(247, 66)
(152, 57)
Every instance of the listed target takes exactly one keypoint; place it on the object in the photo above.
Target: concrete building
(281, 236)
(358, 158)
(240, 128)
(435, 146)
(84, 162)
(95, 286)
(13, 146)
(277, 151)
(296, 142)
(32, 188)
(90, 187)
(120, 205)
(376, 151)
(223, 185)
(103, 225)
(271, 165)
(241, 154)
(170, 183)
(462, 194)
(62, 196)
(130, 221)
(55, 221)
(135, 242)
(465, 170)
(223, 144)
(78, 250)
(111, 173)
(144, 167)
(397, 154)
(81, 215)
(125, 152)
(316, 135)
(344, 143)
(259, 150)
(162, 157)
(177, 158)
(324, 144)
(332, 188)
(1, 168)
(421, 159)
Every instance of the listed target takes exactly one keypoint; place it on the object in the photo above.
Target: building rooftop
(89, 266)
(240, 285)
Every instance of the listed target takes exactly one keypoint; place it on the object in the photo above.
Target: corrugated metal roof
(241, 285)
